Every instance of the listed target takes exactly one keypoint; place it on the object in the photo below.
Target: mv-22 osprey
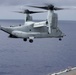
(31, 30)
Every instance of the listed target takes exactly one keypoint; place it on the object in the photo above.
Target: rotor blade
(32, 12)
(29, 12)
(18, 11)
(68, 8)
(52, 7)
(39, 7)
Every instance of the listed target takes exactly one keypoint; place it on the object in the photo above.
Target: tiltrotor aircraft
(31, 30)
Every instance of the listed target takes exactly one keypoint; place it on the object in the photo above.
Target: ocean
(42, 57)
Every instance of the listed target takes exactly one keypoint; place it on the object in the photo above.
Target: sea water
(41, 57)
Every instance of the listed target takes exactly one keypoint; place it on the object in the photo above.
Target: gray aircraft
(31, 30)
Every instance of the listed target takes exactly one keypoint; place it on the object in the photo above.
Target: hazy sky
(7, 6)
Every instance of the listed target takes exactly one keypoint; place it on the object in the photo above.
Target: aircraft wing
(39, 24)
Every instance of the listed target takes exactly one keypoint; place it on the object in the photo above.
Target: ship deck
(70, 71)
